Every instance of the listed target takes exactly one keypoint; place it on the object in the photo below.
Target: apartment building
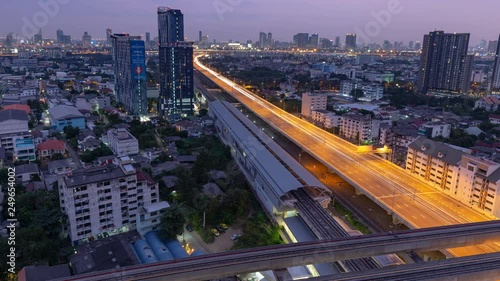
(326, 118)
(13, 126)
(312, 102)
(435, 129)
(105, 200)
(436, 163)
(360, 127)
(122, 142)
(479, 183)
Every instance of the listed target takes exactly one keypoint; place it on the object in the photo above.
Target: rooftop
(13, 114)
(121, 134)
(51, 145)
(43, 272)
(27, 169)
(21, 107)
(94, 174)
(437, 150)
(64, 112)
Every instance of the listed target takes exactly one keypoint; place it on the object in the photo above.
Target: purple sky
(246, 18)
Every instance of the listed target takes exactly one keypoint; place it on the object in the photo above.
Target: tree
(203, 112)
(71, 132)
(172, 223)
(356, 94)
(57, 156)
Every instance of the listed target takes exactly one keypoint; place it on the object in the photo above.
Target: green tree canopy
(172, 223)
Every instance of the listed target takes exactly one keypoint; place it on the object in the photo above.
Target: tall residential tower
(176, 65)
(445, 65)
(495, 82)
(129, 58)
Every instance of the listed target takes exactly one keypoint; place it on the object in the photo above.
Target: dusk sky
(246, 18)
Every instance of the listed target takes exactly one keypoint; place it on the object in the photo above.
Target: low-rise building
(362, 128)
(326, 118)
(24, 150)
(488, 103)
(435, 129)
(62, 116)
(47, 149)
(150, 216)
(26, 172)
(494, 119)
(122, 142)
(13, 126)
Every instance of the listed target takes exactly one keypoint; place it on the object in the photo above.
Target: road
(416, 203)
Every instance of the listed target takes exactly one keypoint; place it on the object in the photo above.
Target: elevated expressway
(289, 255)
(411, 201)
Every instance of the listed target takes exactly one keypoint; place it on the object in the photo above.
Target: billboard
(138, 59)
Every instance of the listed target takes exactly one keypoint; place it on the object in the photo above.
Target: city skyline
(244, 20)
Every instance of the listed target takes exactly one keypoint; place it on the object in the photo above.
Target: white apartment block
(435, 129)
(479, 184)
(326, 118)
(371, 91)
(105, 200)
(311, 102)
(471, 180)
(13, 126)
(149, 216)
(52, 90)
(436, 163)
(122, 142)
(363, 128)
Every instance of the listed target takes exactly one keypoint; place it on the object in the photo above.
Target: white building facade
(105, 200)
(311, 102)
(122, 142)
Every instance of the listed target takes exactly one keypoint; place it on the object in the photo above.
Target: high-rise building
(63, 39)
(130, 72)
(314, 41)
(411, 45)
(270, 40)
(59, 34)
(38, 38)
(495, 81)
(445, 65)
(148, 40)
(326, 43)
(337, 42)
(262, 40)
(86, 40)
(301, 40)
(109, 32)
(9, 40)
(492, 47)
(350, 41)
(418, 45)
(176, 65)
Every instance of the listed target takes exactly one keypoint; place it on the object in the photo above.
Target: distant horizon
(373, 20)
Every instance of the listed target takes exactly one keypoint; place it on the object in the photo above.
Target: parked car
(215, 232)
(189, 228)
(235, 236)
(219, 228)
(223, 225)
